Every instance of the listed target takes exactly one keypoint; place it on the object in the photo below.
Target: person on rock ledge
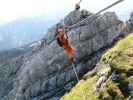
(77, 6)
(62, 40)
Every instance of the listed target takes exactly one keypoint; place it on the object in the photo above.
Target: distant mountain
(23, 31)
(34, 72)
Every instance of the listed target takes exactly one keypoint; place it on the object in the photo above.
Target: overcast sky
(55, 9)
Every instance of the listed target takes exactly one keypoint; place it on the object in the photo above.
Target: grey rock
(72, 18)
(103, 71)
(130, 22)
(43, 73)
(85, 13)
(131, 18)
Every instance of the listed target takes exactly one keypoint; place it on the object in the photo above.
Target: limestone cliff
(43, 74)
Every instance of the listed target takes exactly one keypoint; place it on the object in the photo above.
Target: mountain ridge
(23, 31)
(42, 73)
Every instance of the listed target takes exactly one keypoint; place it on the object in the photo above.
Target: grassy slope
(122, 61)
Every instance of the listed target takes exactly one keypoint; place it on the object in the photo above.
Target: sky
(56, 9)
(51, 11)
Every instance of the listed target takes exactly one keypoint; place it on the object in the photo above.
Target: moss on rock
(121, 56)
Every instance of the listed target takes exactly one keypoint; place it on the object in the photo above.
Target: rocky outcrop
(103, 73)
(46, 75)
(112, 77)
(131, 22)
(76, 16)
(10, 62)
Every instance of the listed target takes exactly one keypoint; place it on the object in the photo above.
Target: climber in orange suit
(63, 42)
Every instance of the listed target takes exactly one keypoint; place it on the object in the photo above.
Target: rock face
(112, 77)
(131, 22)
(44, 73)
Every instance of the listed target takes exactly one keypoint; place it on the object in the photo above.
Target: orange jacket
(64, 42)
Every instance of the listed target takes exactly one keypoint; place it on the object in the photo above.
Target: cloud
(53, 9)
(12, 9)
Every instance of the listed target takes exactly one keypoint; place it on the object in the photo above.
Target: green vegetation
(84, 87)
(121, 56)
